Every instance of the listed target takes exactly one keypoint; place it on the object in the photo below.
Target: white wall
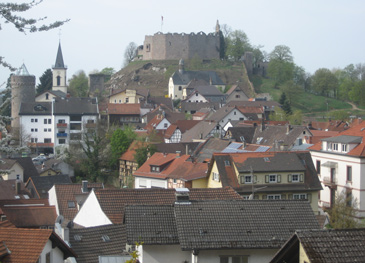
(91, 213)
(164, 254)
(38, 123)
(161, 125)
(196, 97)
(15, 170)
(56, 253)
(234, 115)
(52, 199)
(144, 182)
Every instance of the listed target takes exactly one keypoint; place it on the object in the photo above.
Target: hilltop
(154, 75)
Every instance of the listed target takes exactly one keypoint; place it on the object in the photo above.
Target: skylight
(105, 238)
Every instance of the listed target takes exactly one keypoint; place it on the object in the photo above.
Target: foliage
(324, 82)
(339, 115)
(79, 85)
(343, 212)
(357, 93)
(143, 152)
(108, 72)
(45, 81)
(237, 43)
(119, 142)
(130, 53)
(134, 254)
(9, 15)
(5, 107)
(281, 66)
(296, 118)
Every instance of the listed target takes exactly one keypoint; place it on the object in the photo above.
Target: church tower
(59, 72)
(22, 90)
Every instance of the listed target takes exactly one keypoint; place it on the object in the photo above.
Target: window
(32, 130)
(348, 197)
(273, 197)
(165, 125)
(49, 130)
(295, 178)
(299, 196)
(49, 121)
(216, 176)
(71, 204)
(233, 259)
(35, 120)
(35, 130)
(349, 173)
(344, 147)
(227, 163)
(47, 96)
(31, 120)
(237, 96)
(234, 113)
(90, 121)
(75, 136)
(75, 126)
(335, 146)
(45, 121)
(247, 179)
(48, 255)
(45, 129)
(58, 80)
(47, 140)
(180, 88)
(115, 101)
(126, 100)
(272, 178)
(175, 181)
(61, 121)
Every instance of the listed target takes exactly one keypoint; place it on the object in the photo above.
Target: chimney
(18, 187)
(178, 154)
(288, 128)
(187, 149)
(84, 186)
(182, 196)
(262, 125)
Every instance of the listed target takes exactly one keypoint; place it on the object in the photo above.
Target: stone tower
(22, 90)
(59, 72)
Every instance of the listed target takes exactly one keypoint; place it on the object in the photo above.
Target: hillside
(154, 75)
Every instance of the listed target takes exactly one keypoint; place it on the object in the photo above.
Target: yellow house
(267, 175)
(129, 96)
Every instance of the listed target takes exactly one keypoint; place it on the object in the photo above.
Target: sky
(320, 33)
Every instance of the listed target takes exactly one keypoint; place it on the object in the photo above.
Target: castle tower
(217, 27)
(59, 72)
(22, 90)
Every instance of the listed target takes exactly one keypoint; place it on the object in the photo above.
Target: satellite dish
(60, 219)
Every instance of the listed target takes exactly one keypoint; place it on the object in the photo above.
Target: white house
(340, 165)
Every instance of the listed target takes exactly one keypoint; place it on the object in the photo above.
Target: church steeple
(59, 73)
(59, 59)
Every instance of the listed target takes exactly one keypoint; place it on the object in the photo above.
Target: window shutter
(289, 178)
(266, 178)
(279, 178)
(283, 196)
(301, 177)
(254, 179)
(290, 196)
(264, 197)
(309, 196)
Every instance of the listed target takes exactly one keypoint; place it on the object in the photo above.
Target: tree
(291, 90)
(143, 152)
(9, 15)
(79, 85)
(119, 142)
(130, 53)
(45, 82)
(324, 82)
(237, 43)
(5, 107)
(281, 65)
(343, 212)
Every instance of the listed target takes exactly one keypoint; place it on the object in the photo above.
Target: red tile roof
(7, 190)
(318, 135)
(129, 154)
(26, 245)
(124, 109)
(170, 131)
(69, 192)
(113, 201)
(251, 109)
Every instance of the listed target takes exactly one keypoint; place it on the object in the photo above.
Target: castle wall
(173, 46)
(96, 83)
(22, 90)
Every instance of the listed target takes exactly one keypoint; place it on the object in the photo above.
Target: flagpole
(161, 22)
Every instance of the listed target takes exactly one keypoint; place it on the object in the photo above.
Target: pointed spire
(22, 71)
(217, 27)
(59, 59)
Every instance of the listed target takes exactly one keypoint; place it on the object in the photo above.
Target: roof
(113, 201)
(22, 71)
(240, 134)
(73, 193)
(198, 106)
(200, 131)
(206, 150)
(171, 116)
(322, 246)
(128, 155)
(184, 77)
(265, 162)
(35, 108)
(26, 245)
(57, 93)
(207, 91)
(318, 135)
(59, 59)
(42, 184)
(183, 147)
(8, 190)
(30, 216)
(198, 224)
(351, 135)
(170, 131)
(98, 241)
(185, 125)
(124, 109)
(28, 166)
(162, 100)
(331, 125)
(268, 105)
(142, 92)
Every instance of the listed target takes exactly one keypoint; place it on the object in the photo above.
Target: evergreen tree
(46, 82)
(282, 98)
(287, 108)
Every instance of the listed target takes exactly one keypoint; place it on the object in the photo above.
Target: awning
(330, 164)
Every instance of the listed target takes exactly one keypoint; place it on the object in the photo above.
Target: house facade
(340, 165)
(129, 96)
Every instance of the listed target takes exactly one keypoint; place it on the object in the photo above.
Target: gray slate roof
(203, 127)
(344, 139)
(44, 183)
(29, 169)
(219, 224)
(59, 59)
(186, 76)
(92, 244)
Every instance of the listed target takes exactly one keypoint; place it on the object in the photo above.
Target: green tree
(357, 93)
(282, 98)
(143, 152)
(45, 81)
(324, 82)
(281, 65)
(79, 85)
(296, 118)
(119, 143)
(237, 43)
(5, 107)
(343, 213)
(291, 90)
(9, 14)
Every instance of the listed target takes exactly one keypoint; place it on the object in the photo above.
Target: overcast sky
(320, 33)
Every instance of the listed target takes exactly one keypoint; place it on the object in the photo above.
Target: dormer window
(344, 147)
(155, 169)
(47, 96)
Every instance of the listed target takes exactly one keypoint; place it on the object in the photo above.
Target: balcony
(90, 125)
(61, 134)
(61, 125)
(330, 182)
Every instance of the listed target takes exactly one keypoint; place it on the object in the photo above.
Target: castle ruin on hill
(174, 46)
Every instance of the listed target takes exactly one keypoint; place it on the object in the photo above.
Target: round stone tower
(22, 90)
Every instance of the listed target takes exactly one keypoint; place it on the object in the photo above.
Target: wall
(212, 183)
(42, 97)
(56, 253)
(232, 116)
(27, 125)
(164, 254)
(197, 97)
(15, 170)
(200, 183)
(52, 199)
(253, 255)
(303, 258)
(96, 82)
(143, 182)
(122, 96)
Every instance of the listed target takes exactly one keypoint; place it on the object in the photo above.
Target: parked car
(40, 158)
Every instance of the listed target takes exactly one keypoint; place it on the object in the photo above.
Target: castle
(174, 46)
